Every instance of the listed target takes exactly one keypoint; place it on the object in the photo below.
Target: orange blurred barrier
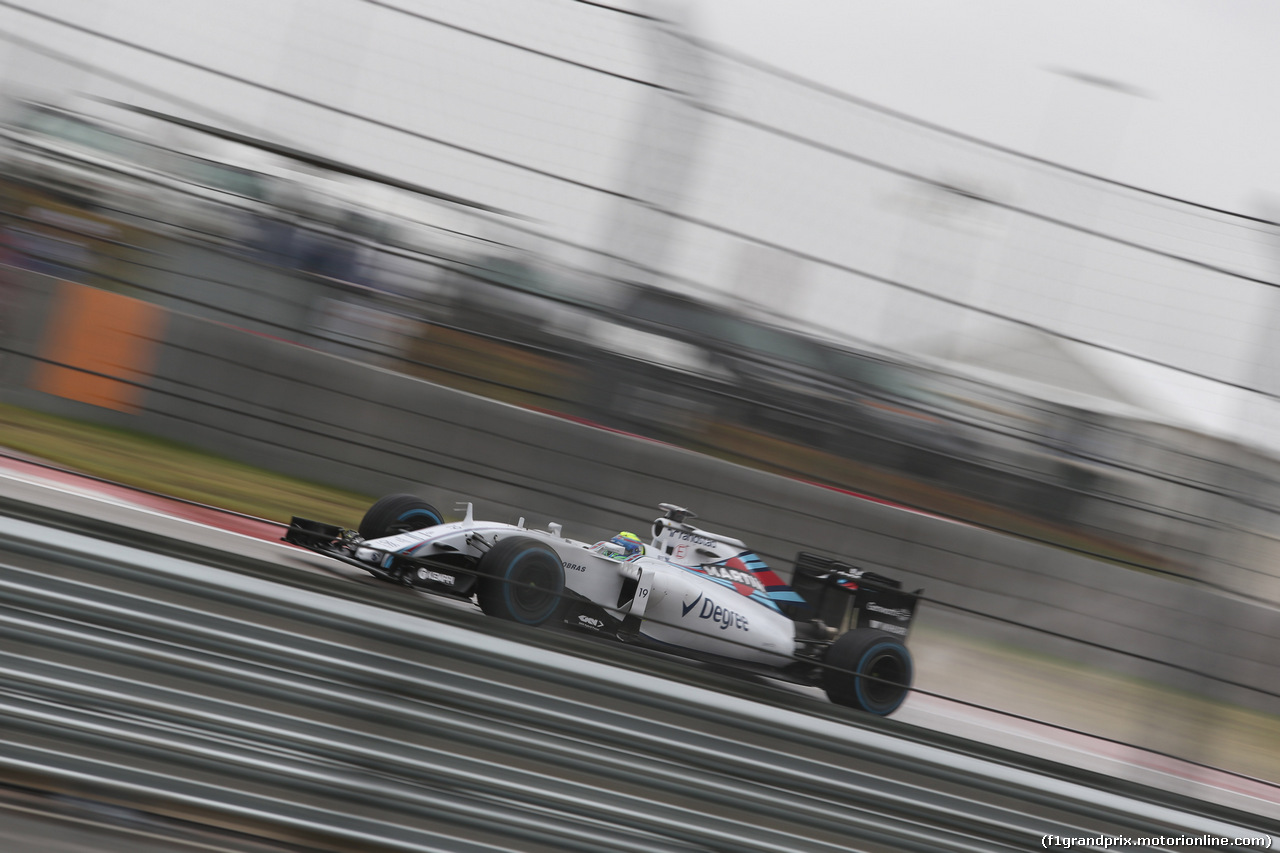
(94, 340)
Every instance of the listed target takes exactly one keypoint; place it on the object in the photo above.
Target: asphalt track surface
(23, 822)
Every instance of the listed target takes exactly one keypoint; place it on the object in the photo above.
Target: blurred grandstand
(330, 254)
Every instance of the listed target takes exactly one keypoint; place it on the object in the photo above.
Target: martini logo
(736, 572)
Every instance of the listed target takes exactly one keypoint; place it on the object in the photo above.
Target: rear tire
(865, 652)
(398, 514)
(521, 580)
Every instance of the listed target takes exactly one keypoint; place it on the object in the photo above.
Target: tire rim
(891, 669)
(534, 588)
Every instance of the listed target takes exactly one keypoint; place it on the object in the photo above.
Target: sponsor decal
(436, 577)
(885, 626)
(590, 622)
(760, 570)
(749, 575)
(694, 538)
(724, 617)
(896, 612)
(574, 567)
(743, 580)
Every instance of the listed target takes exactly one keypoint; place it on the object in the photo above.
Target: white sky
(1198, 120)
(1207, 126)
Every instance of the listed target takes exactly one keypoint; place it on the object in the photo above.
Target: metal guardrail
(276, 707)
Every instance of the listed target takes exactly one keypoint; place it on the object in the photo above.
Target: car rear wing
(844, 597)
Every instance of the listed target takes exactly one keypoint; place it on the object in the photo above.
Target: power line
(278, 416)
(904, 173)
(760, 65)
(714, 226)
(617, 194)
(308, 158)
(838, 94)
(986, 312)
(935, 296)
(1012, 208)
(130, 82)
(720, 394)
(98, 532)
(231, 121)
(793, 137)
(381, 4)
(436, 261)
(312, 102)
(642, 15)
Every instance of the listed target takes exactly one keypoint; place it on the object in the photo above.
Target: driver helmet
(629, 543)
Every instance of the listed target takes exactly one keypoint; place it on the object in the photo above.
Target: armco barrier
(313, 415)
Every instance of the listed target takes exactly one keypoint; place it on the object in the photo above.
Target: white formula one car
(687, 591)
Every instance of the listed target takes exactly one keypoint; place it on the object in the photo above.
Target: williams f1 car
(687, 591)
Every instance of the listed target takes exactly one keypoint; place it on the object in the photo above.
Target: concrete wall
(317, 416)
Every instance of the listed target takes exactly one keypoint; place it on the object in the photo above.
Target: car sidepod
(686, 609)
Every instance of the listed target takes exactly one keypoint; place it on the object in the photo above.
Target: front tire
(398, 514)
(869, 670)
(521, 580)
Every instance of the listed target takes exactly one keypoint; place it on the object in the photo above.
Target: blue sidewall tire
(396, 514)
(509, 591)
(505, 572)
(861, 685)
(429, 516)
(856, 655)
